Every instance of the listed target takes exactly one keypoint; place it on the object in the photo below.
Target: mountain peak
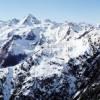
(29, 20)
(30, 16)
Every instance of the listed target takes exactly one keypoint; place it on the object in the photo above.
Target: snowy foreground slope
(46, 60)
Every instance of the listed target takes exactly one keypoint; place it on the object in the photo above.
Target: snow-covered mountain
(46, 60)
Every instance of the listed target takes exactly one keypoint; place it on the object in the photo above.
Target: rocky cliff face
(45, 60)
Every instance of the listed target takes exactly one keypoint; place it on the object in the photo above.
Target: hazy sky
(58, 10)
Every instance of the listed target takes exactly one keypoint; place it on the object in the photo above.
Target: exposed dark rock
(12, 60)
